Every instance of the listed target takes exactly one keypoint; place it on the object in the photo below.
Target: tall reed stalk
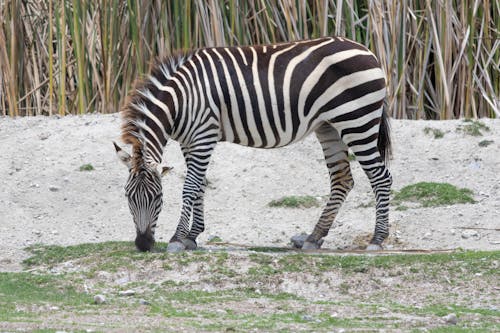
(442, 58)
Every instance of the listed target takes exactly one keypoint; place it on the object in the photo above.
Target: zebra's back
(271, 95)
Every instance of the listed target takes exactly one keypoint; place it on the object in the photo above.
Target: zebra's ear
(123, 156)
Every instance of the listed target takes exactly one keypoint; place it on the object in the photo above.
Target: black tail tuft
(384, 137)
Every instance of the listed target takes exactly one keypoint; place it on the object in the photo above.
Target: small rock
(129, 292)
(466, 234)
(307, 318)
(54, 188)
(43, 136)
(144, 302)
(99, 299)
(451, 319)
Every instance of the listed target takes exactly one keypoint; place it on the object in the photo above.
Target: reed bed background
(62, 57)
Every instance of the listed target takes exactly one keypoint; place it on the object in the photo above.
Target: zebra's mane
(133, 112)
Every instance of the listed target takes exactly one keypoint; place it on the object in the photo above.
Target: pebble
(129, 292)
(99, 299)
(451, 319)
(54, 188)
(466, 234)
(307, 318)
(144, 302)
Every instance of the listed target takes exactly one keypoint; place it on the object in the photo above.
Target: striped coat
(263, 96)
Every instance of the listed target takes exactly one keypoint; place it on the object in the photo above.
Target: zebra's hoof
(190, 244)
(175, 247)
(298, 240)
(374, 247)
(312, 245)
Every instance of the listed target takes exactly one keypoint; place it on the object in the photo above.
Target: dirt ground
(46, 198)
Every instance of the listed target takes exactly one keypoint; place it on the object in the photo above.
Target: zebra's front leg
(192, 200)
(198, 223)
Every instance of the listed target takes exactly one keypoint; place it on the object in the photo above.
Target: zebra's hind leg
(341, 182)
(381, 181)
(367, 154)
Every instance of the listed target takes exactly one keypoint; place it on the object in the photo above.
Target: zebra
(263, 96)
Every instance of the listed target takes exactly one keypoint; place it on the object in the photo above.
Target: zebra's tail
(384, 137)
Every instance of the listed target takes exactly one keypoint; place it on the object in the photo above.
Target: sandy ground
(45, 198)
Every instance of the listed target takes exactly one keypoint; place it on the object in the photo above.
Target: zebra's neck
(150, 115)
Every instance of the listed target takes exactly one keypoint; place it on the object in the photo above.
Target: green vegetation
(429, 194)
(305, 201)
(473, 127)
(485, 143)
(86, 167)
(235, 291)
(437, 133)
(84, 55)
(20, 292)
(215, 239)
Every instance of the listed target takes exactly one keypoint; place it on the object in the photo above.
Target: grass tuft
(473, 127)
(485, 143)
(429, 194)
(305, 201)
(87, 167)
(437, 133)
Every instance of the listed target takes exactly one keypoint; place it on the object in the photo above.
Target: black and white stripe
(265, 96)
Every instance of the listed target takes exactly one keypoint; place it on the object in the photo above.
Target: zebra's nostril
(144, 242)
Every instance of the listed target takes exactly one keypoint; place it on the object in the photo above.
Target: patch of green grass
(473, 127)
(54, 254)
(485, 143)
(180, 302)
(437, 133)
(214, 239)
(269, 264)
(21, 292)
(87, 167)
(430, 194)
(305, 201)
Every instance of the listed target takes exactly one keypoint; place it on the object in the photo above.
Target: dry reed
(71, 57)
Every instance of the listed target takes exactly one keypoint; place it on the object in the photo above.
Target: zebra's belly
(272, 138)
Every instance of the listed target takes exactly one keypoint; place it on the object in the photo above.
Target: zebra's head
(144, 192)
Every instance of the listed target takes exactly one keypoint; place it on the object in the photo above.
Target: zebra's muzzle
(144, 242)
